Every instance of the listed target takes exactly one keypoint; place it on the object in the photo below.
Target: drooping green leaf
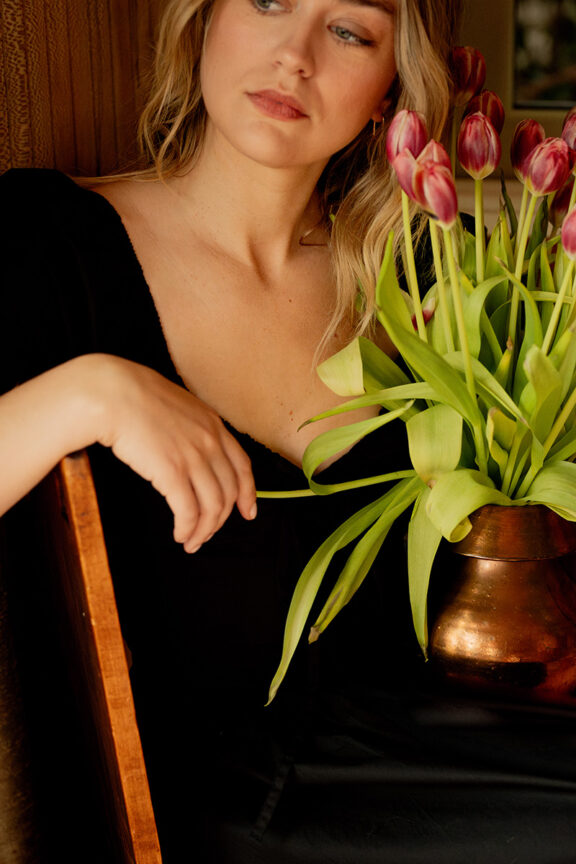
(378, 369)
(423, 541)
(455, 496)
(311, 578)
(342, 372)
(500, 432)
(555, 487)
(362, 556)
(435, 441)
(334, 441)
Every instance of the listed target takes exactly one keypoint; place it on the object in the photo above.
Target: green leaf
(500, 432)
(455, 496)
(342, 372)
(435, 441)
(423, 541)
(487, 385)
(362, 556)
(379, 370)
(388, 293)
(335, 441)
(541, 399)
(474, 303)
(448, 385)
(311, 578)
(391, 398)
(555, 487)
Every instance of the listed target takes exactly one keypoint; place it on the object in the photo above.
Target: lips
(277, 105)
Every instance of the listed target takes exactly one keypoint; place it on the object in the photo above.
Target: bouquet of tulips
(487, 389)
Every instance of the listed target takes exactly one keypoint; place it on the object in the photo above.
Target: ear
(380, 112)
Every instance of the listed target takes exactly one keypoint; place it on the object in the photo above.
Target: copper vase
(506, 623)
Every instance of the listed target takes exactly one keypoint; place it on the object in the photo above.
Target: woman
(176, 317)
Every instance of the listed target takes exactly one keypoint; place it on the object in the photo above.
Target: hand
(174, 440)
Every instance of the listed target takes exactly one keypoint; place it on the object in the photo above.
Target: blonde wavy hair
(359, 192)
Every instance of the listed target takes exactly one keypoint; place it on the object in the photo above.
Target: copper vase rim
(518, 533)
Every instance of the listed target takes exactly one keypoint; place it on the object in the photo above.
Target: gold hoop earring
(374, 128)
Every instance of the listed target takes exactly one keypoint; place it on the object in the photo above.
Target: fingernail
(194, 549)
(253, 512)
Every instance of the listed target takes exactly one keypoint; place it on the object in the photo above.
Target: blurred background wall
(72, 81)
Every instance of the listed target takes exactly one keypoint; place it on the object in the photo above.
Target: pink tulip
(479, 147)
(436, 153)
(569, 130)
(407, 131)
(527, 135)
(569, 235)
(560, 203)
(548, 166)
(405, 166)
(469, 73)
(434, 189)
(490, 104)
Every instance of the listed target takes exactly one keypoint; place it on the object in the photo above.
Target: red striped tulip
(479, 147)
(527, 135)
(404, 166)
(407, 131)
(468, 71)
(490, 104)
(569, 235)
(569, 130)
(548, 166)
(560, 203)
(434, 189)
(435, 152)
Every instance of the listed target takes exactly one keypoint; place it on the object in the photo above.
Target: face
(291, 82)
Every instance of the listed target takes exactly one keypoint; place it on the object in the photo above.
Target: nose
(294, 52)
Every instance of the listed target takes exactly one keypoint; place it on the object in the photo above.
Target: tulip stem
(443, 299)
(521, 216)
(411, 269)
(479, 227)
(558, 304)
(520, 252)
(465, 349)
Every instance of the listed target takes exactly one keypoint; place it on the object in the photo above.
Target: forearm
(43, 420)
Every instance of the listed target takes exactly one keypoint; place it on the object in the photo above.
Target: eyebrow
(388, 6)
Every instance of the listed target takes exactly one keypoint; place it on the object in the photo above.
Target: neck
(252, 212)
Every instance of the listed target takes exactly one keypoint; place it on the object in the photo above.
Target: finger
(246, 487)
(183, 503)
(214, 485)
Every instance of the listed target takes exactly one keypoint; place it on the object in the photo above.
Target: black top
(360, 758)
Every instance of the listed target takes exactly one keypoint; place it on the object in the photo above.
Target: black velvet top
(362, 757)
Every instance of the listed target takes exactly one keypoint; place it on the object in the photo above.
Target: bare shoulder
(128, 195)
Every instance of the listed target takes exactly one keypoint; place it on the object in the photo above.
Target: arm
(162, 431)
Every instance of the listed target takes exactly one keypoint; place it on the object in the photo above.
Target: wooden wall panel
(72, 81)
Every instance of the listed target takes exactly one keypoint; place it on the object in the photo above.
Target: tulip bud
(527, 135)
(547, 166)
(434, 189)
(479, 147)
(468, 71)
(407, 131)
(435, 152)
(569, 235)
(569, 114)
(490, 104)
(560, 203)
(404, 166)
(569, 131)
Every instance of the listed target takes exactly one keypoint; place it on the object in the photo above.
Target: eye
(265, 5)
(347, 36)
